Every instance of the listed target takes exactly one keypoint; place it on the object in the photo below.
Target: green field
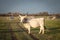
(52, 31)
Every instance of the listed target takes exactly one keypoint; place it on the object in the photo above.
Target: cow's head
(23, 18)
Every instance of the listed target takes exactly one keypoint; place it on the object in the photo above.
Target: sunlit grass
(53, 32)
(52, 23)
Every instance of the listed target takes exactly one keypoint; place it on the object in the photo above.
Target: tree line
(35, 14)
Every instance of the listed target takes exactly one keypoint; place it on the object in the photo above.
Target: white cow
(34, 22)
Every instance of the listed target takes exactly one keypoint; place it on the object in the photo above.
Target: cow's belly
(34, 24)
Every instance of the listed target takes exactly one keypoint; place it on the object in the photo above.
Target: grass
(5, 36)
(51, 33)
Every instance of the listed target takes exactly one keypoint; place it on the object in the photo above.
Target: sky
(30, 6)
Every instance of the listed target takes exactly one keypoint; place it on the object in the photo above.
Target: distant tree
(57, 15)
(43, 13)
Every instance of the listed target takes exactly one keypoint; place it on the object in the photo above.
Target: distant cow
(53, 18)
(34, 22)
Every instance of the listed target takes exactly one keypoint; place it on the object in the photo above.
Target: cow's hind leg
(41, 29)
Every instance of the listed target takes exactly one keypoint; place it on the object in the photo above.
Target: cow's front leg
(29, 30)
(42, 31)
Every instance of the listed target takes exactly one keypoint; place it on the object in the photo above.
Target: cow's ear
(25, 15)
(19, 15)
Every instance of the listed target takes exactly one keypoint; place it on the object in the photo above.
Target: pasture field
(10, 30)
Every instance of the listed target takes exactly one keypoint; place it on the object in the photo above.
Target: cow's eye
(24, 20)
